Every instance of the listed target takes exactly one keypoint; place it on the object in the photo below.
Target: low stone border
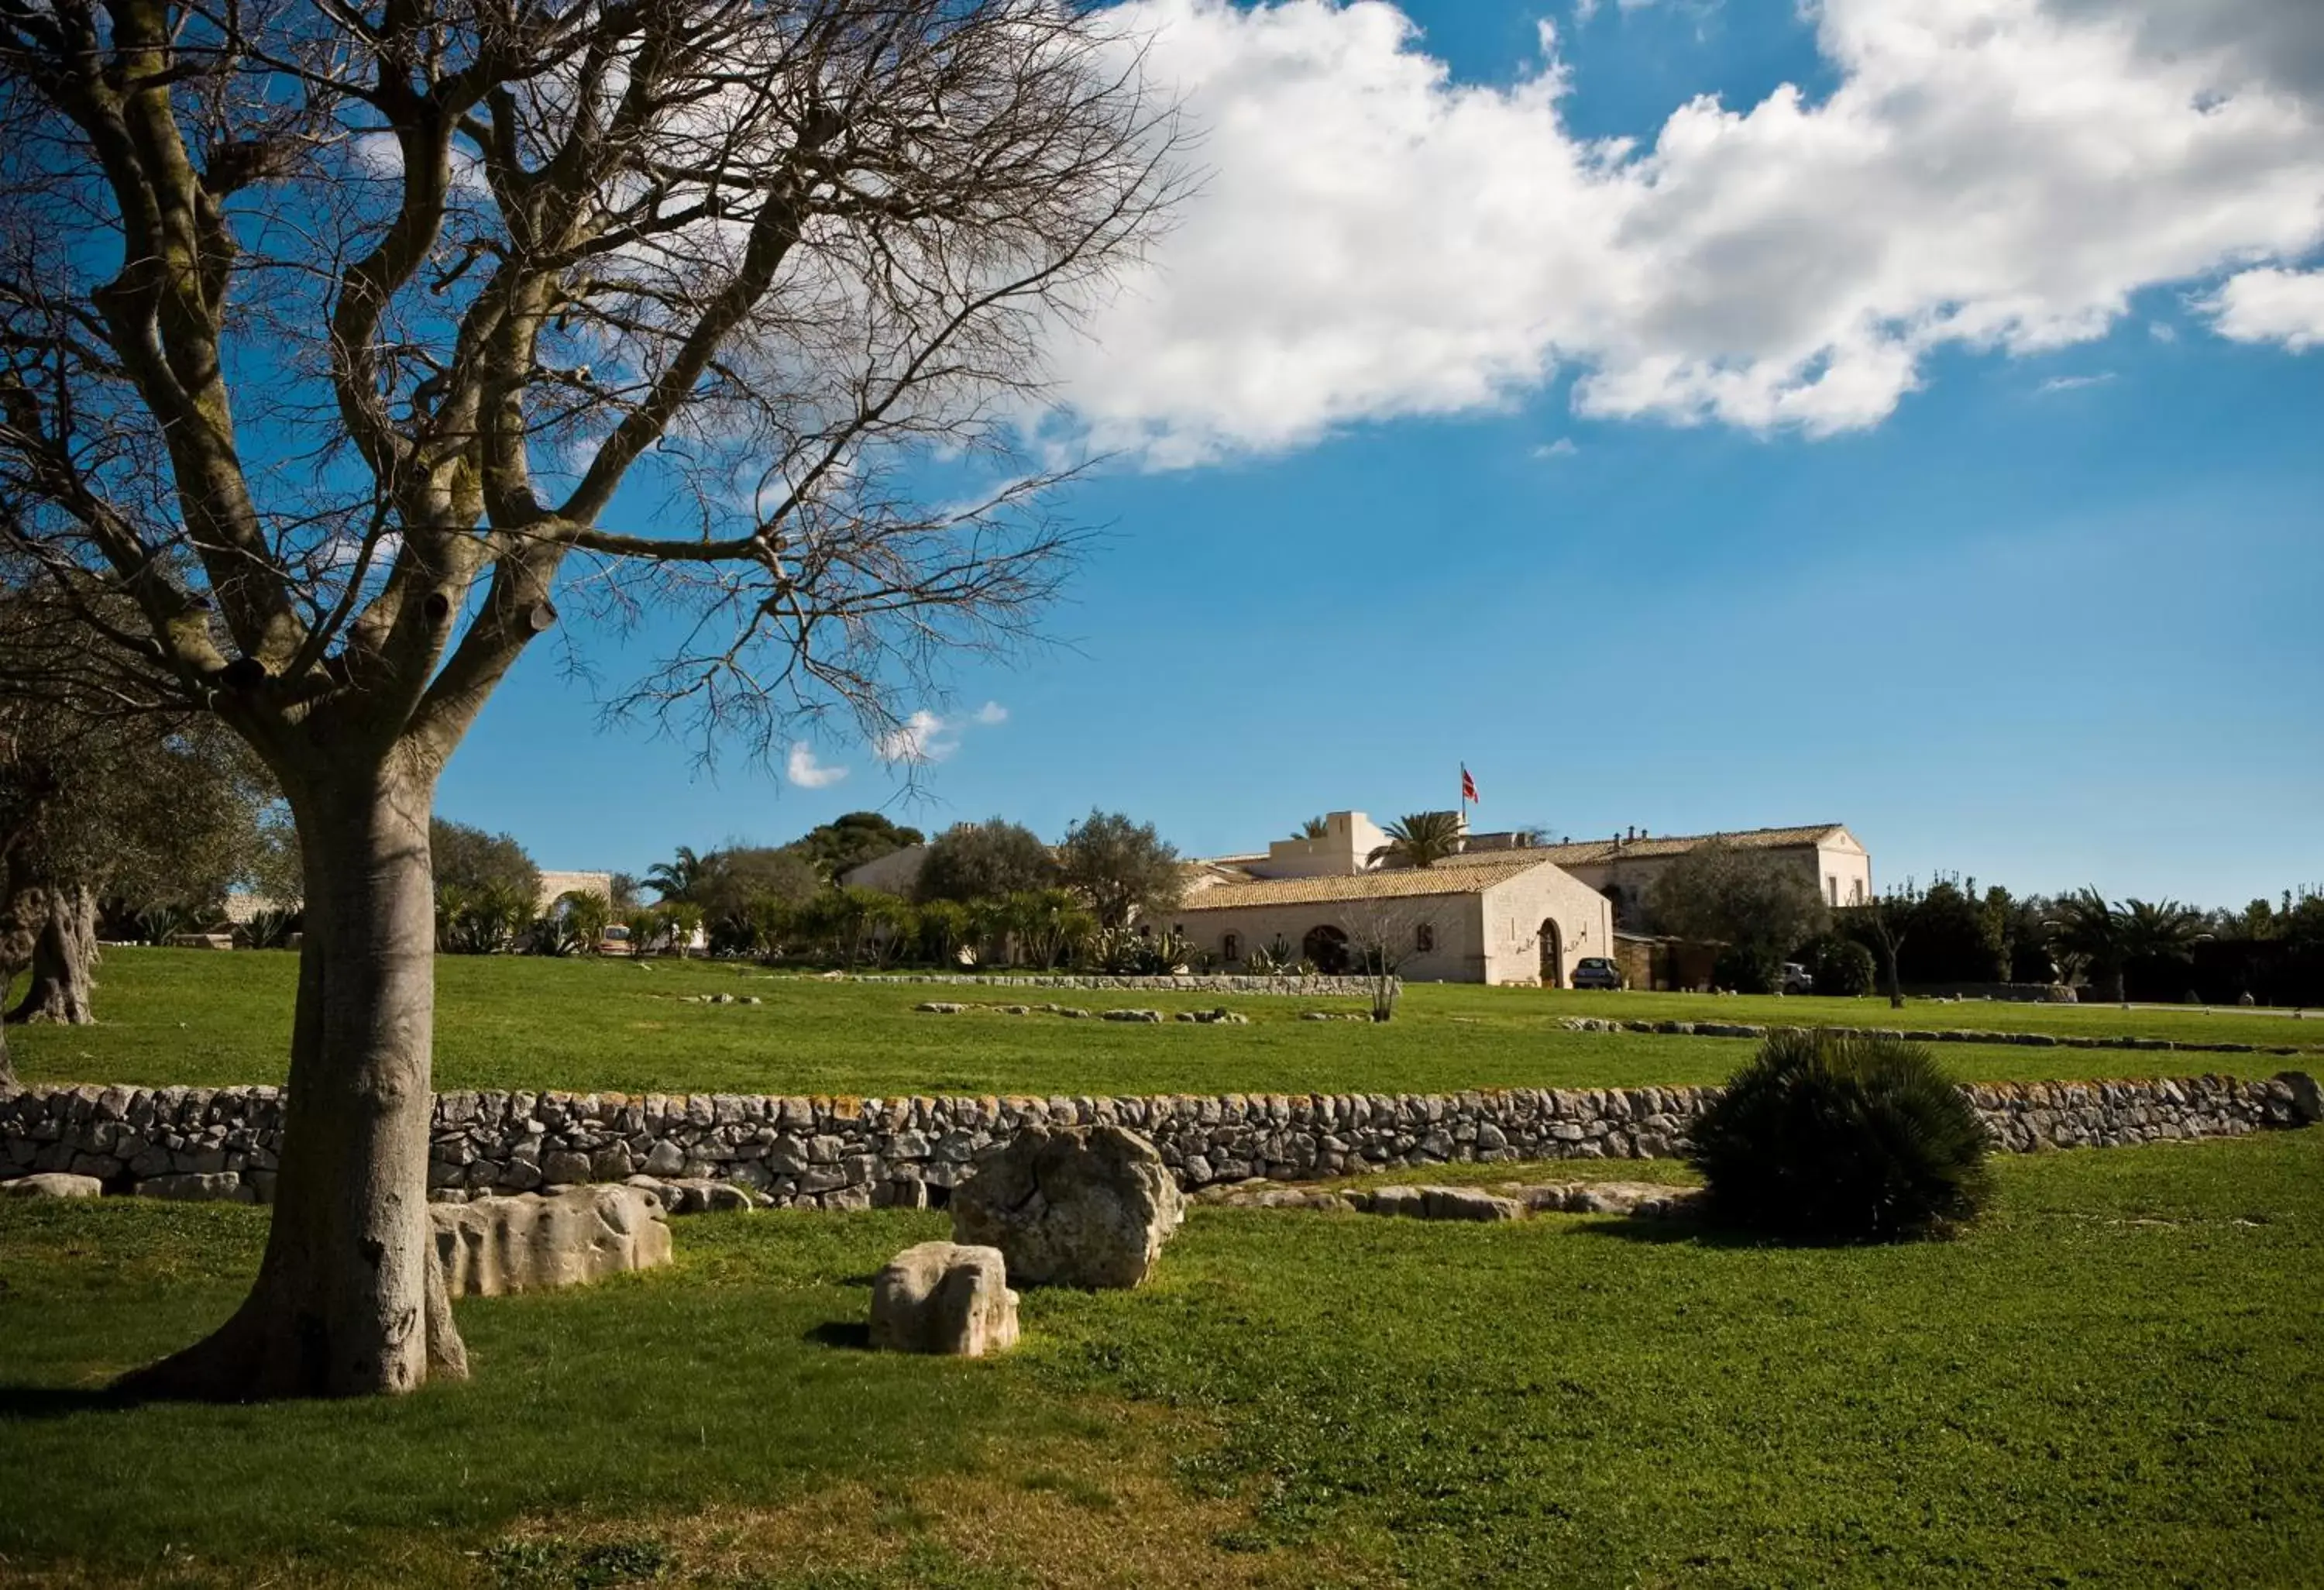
(1504, 1200)
(1095, 982)
(851, 1154)
(1925, 1035)
(1222, 1017)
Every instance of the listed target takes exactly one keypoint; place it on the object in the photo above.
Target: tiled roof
(1582, 852)
(1458, 875)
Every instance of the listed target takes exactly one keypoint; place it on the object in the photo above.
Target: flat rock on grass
(945, 1298)
(535, 1242)
(53, 1184)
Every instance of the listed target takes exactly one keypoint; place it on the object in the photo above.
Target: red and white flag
(1467, 785)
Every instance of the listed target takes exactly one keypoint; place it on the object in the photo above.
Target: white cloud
(807, 772)
(925, 737)
(918, 738)
(1374, 239)
(1562, 447)
(2074, 383)
(2271, 306)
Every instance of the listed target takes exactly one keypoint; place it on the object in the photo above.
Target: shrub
(1859, 1140)
(1748, 969)
(1841, 965)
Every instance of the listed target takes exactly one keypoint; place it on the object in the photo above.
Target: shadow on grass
(849, 1334)
(25, 1403)
(1665, 1232)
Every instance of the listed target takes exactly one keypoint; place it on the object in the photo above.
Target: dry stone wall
(861, 1154)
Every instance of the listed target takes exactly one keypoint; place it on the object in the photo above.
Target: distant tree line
(982, 890)
(1764, 911)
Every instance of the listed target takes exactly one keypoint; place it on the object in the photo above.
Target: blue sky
(2045, 613)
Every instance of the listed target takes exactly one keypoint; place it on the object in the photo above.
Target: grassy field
(205, 1018)
(2116, 1380)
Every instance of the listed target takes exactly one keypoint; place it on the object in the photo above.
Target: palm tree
(2109, 938)
(1315, 827)
(677, 880)
(1421, 839)
(2158, 931)
(2090, 933)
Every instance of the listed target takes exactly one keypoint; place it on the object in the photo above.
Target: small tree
(1757, 904)
(471, 860)
(1382, 935)
(985, 861)
(135, 813)
(1122, 869)
(1882, 926)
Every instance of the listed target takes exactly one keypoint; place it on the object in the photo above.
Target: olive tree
(1122, 869)
(341, 339)
(99, 807)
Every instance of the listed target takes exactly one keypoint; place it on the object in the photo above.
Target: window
(1856, 891)
(1831, 888)
(1230, 948)
(1423, 938)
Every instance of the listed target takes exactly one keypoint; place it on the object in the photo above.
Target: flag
(1467, 785)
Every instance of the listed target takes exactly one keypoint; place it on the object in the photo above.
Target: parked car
(1797, 978)
(1596, 971)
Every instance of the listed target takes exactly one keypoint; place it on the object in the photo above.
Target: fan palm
(1422, 838)
(2090, 931)
(678, 879)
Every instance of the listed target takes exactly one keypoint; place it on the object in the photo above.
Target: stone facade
(861, 1154)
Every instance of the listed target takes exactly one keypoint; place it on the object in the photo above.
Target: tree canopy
(848, 841)
(468, 858)
(990, 860)
(1122, 869)
(1759, 904)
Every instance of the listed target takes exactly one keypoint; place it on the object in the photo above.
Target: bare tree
(1383, 933)
(339, 339)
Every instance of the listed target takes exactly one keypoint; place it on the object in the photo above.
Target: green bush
(1748, 969)
(1858, 1139)
(1841, 966)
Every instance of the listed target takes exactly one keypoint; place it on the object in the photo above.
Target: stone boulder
(945, 1298)
(2307, 1098)
(1070, 1206)
(533, 1242)
(53, 1184)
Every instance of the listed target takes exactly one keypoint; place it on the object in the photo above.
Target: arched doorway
(1553, 955)
(1327, 947)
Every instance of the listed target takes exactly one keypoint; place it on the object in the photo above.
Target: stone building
(1624, 868)
(1506, 910)
(1506, 917)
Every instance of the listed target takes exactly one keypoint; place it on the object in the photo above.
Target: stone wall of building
(1098, 982)
(860, 1153)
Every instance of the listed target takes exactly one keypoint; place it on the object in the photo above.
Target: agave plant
(269, 928)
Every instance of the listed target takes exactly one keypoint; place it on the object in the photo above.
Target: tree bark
(348, 1299)
(63, 919)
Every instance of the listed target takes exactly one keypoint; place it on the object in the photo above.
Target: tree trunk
(63, 918)
(348, 1299)
(7, 1067)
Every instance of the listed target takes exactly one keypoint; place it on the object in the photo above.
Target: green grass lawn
(2115, 1380)
(207, 1018)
